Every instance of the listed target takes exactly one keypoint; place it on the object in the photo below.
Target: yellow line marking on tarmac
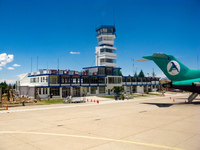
(91, 137)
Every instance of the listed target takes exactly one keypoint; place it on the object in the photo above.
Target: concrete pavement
(144, 124)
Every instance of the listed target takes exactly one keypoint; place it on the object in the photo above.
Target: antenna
(58, 63)
(37, 62)
(133, 66)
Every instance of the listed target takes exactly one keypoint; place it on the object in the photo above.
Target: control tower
(105, 52)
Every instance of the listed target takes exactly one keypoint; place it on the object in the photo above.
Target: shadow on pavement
(171, 104)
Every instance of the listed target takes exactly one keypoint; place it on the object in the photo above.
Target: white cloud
(74, 53)
(4, 59)
(16, 65)
(20, 75)
(8, 81)
(10, 68)
(161, 75)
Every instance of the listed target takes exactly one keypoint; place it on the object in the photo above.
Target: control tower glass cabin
(105, 52)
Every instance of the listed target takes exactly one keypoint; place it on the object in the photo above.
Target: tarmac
(143, 123)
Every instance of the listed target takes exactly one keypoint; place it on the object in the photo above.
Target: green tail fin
(171, 67)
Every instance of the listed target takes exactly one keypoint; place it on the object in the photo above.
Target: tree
(141, 74)
(135, 75)
(4, 86)
(118, 89)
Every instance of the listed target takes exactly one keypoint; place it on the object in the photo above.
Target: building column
(125, 90)
(60, 92)
(81, 91)
(71, 91)
(147, 88)
(89, 90)
(97, 91)
(48, 91)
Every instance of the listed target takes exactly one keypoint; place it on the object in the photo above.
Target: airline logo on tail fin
(173, 68)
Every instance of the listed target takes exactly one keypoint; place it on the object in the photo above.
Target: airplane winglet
(140, 60)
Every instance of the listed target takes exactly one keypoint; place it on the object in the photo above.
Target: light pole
(133, 66)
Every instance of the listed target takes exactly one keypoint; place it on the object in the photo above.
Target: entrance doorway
(66, 91)
(76, 91)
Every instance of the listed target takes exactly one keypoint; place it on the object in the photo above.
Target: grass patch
(153, 94)
(107, 96)
(2, 109)
(139, 95)
(51, 101)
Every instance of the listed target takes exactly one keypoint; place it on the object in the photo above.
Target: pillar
(89, 90)
(60, 92)
(81, 91)
(97, 91)
(71, 91)
(48, 91)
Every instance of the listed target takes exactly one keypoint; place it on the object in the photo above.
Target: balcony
(105, 33)
(106, 42)
(108, 55)
(108, 64)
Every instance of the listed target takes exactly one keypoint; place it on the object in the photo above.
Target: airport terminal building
(97, 80)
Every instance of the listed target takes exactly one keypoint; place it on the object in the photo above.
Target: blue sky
(51, 29)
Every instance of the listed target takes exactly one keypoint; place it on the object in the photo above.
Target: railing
(105, 33)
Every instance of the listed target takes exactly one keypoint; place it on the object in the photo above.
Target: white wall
(140, 89)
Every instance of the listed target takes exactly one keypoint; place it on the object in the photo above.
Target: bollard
(91, 100)
(94, 100)
(173, 100)
(6, 107)
(97, 102)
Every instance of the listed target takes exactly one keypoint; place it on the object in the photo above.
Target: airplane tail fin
(171, 67)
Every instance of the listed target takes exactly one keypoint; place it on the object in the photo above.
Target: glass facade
(65, 79)
(109, 71)
(54, 79)
(55, 91)
(102, 90)
(101, 71)
(85, 80)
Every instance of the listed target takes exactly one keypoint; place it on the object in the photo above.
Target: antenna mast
(58, 63)
(37, 62)
(133, 66)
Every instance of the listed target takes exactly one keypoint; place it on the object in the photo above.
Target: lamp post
(133, 66)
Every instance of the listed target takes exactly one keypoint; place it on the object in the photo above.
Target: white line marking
(91, 137)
